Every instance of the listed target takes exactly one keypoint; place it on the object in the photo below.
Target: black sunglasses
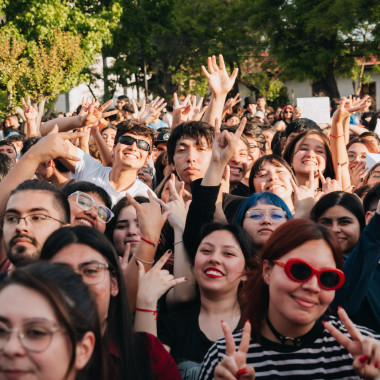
(141, 144)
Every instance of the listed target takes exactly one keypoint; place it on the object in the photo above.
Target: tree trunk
(327, 84)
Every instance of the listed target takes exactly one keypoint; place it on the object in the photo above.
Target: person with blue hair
(260, 215)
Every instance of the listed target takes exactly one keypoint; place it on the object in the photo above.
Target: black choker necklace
(284, 339)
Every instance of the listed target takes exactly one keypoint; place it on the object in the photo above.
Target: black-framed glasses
(300, 271)
(129, 140)
(34, 336)
(85, 202)
(34, 220)
(276, 216)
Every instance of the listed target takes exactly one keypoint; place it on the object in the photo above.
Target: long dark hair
(288, 236)
(74, 307)
(290, 150)
(350, 202)
(134, 360)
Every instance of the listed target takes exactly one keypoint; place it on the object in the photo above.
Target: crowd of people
(190, 239)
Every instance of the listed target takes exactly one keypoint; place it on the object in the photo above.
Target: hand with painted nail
(234, 365)
(155, 283)
(364, 350)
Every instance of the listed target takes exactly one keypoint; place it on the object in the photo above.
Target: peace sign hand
(155, 283)
(233, 366)
(365, 350)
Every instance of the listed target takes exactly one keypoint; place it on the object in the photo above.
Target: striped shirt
(319, 357)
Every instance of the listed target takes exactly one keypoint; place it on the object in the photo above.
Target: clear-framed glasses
(352, 156)
(374, 175)
(276, 216)
(34, 220)
(34, 336)
(85, 202)
(93, 272)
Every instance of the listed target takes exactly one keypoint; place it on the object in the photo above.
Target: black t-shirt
(189, 345)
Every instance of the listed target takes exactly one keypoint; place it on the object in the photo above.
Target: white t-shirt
(91, 170)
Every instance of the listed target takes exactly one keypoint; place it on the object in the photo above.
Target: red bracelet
(336, 136)
(151, 242)
(148, 311)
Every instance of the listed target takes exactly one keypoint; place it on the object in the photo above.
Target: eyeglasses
(352, 156)
(141, 144)
(301, 271)
(288, 111)
(33, 220)
(34, 336)
(93, 272)
(145, 170)
(276, 216)
(85, 202)
(374, 175)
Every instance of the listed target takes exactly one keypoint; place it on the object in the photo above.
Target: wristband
(148, 311)
(336, 136)
(177, 242)
(155, 244)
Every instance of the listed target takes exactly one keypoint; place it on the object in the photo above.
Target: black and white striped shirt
(320, 357)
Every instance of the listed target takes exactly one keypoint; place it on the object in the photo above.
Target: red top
(163, 365)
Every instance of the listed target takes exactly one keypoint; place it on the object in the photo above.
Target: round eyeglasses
(34, 336)
(85, 202)
(276, 216)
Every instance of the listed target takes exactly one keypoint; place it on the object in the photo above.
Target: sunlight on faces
(309, 154)
(126, 230)
(191, 160)
(76, 254)
(22, 305)
(108, 135)
(261, 231)
(24, 241)
(273, 179)
(238, 163)
(80, 217)
(356, 153)
(166, 190)
(219, 263)
(295, 306)
(344, 225)
(131, 156)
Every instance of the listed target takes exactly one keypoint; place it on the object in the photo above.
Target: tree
(61, 39)
(313, 40)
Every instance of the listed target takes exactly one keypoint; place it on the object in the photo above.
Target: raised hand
(233, 366)
(176, 206)
(329, 185)
(347, 107)
(151, 218)
(225, 142)
(29, 111)
(95, 113)
(357, 173)
(364, 350)
(230, 103)
(219, 81)
(152, 110)
(155, 283)
(136, 112)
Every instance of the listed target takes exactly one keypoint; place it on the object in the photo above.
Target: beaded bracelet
(143, 261)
